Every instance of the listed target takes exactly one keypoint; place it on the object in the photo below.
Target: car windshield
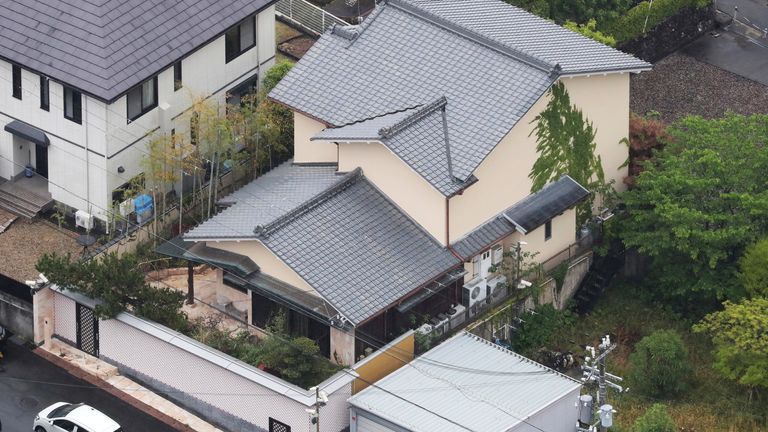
(63, 410)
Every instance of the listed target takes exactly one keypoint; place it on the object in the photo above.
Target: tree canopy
(579, 11)
(753, 269)
(740, 335)
(699, 203)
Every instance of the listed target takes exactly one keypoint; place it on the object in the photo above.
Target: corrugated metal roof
(465, 381)
(106, 47)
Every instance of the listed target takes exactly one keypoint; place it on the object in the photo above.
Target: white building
(468, 384)
(82, 85)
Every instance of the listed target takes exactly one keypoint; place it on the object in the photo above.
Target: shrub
(537, 329)
(590, 30)
(753, 269)
(581, 11)
(660, 365)
(633, 24)
(656, 419)
(645, 136)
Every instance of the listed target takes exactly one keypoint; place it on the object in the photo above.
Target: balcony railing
(307, 16)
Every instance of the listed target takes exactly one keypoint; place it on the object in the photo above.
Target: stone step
(17, 207)
(4, 225)
(22, 202)
(35, 200)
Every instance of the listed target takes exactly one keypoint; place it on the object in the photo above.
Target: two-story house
(83, 85)
(410, 176)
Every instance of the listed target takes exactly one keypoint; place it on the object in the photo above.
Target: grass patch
(711, 403)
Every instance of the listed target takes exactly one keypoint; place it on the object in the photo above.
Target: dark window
(240, 38)
(45, 94)
(238, 93)
(142, 99)
(276, 426)
(65, 425)
(73, 105)
(177, 83)
(16, 82)
(548, 230)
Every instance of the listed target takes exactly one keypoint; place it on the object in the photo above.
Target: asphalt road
(752, 11)
(30, 383)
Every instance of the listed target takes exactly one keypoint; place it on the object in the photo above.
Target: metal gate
(87, 330)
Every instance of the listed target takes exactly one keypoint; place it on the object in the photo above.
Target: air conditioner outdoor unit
(458, 316)
(440, 325)
(84, 220)
(425, 329)
(474, 294)
(497, 289)
(126, 207)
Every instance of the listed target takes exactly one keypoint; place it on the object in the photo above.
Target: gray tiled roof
(526, 215)
(358, 250)
(266, 199)
(105, 47)
(409, 53)
(543, 39)
(401, 60)
(418, 136)
(467, 384)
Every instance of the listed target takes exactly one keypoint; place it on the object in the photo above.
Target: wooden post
(190, 283)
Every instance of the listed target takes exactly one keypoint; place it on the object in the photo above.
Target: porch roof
(526, 215)
(28, 132)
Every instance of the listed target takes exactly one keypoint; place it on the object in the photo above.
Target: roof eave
(607, 71)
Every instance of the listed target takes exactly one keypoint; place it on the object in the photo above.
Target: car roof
(92, 419)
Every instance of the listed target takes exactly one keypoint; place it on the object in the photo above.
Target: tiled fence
(219, 388)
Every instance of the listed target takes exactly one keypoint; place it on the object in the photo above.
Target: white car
(66, 417)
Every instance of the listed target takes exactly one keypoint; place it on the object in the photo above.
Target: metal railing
(307, 16)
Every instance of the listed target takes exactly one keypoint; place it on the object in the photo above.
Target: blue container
(29, 171)
(143, 204)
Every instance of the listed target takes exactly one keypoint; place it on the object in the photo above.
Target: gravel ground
(680, 85)
(24, 242)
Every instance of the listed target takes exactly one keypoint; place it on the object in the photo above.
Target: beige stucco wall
(399, 182)
(306, 151)
(503, 176)
(266, 260)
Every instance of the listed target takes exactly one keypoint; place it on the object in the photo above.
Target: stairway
(22, 202)
(603, 269)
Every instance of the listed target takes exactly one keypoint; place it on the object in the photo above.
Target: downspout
(87, 159)
(448, 230)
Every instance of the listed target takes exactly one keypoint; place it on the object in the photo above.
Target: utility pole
(320, 400)
(595, 371)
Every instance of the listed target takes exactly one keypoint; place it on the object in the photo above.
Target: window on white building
(16, 72)
(548, 230)
(73, 105)
(142, 99)
(240, 38)
(45, 94)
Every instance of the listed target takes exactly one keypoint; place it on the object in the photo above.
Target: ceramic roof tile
(88, 45)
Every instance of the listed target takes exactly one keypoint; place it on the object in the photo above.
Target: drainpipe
(448, 230)
(87, 158)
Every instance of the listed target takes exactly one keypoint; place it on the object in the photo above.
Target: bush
(590, 30)
(660, 365)
(537, 329)
(656, 419)
(631, 25)
(579, 11)
(753, 269)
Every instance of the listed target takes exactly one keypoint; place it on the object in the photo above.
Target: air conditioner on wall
(474, 295)
(84, 220)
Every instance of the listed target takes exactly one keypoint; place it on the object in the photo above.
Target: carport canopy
(28, 132)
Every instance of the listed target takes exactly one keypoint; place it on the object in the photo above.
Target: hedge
(630, 25)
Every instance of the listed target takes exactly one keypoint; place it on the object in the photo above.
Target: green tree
(656, 419)
(753, 269)
(565, 141)
(660, 366)
(590, 30)
(537, 329)
(740, 335)
(697, 205)
(575, 10)
(118, 285)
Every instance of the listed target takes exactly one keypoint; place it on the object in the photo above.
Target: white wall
(105, 130)
(200, 374)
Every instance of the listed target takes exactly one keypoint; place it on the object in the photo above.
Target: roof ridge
(477, 37)
(420, 113)
(349, 179)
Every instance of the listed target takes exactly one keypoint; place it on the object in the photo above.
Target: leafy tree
(740, 335)
(537, 329)
(646, 135)
(590, 30)
(579, 11)
(660, 365)
(565, 141)
(698, 205)
(753, 269)
(118, 284)
(275, 74)
(656, 419)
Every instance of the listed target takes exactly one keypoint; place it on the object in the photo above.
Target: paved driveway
(31, 383)
(754, 12)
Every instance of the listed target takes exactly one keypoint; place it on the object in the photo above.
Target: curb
(103, 385)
